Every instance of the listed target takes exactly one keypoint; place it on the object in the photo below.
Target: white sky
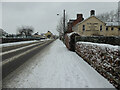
(0, 14)
(59, 0)
(43, 15)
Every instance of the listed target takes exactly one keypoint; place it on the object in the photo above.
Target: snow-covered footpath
(56, 67)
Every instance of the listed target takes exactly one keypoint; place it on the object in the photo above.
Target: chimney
(92, 12)
(79, 16)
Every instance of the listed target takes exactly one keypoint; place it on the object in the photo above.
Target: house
(112, 29)
(49, 34)
(73, 22)
(36, 35)
(92, 26)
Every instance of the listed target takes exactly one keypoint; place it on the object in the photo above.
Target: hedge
(113, 40)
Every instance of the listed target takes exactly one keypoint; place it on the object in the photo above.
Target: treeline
(111, 16)
(23, 31)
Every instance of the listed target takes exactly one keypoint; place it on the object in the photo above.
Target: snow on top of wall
(69, 34)
(101, 45)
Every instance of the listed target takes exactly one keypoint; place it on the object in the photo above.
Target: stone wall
(104, 58)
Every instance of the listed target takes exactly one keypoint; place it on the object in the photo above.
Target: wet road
(14, 58)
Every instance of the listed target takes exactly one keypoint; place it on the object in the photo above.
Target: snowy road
(55, 67)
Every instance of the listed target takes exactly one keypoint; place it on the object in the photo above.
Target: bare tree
(25, 30)
(60, 26)
(111, 16)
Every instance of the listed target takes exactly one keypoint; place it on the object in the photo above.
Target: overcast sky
(43, 16)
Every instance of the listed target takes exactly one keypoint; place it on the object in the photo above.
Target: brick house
(72, 23)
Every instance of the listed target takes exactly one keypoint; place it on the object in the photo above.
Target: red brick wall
(79, 19)
(71, 24)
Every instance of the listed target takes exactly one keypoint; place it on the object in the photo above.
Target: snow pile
(22, 42)
(16, 43)
(104, 58)
(46, 39)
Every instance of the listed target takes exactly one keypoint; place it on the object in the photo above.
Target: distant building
(36, 35)
(49, 34)
(112, 29)
(93, 26)
(3, 33)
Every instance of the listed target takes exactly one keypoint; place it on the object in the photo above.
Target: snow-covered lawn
(56, 67)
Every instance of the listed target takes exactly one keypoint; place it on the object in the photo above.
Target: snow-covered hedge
(103, 57)
(113, 40)
(70, 40)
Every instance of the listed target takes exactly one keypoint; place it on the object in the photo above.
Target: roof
(112, 24)
(89, 18)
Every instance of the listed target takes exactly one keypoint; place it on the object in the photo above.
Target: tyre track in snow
(56, 67)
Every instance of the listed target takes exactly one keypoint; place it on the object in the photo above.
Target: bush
(113, 40)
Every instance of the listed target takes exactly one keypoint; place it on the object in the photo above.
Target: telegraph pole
(64, 24)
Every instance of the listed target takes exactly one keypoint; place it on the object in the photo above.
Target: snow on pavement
(56, 67)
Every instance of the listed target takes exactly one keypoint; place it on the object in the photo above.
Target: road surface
(55, 67)
(13, 58)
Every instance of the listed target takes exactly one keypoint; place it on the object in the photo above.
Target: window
(83, 27)
(106, 28)
(100, 27)
(119, 28)
(112, 28)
